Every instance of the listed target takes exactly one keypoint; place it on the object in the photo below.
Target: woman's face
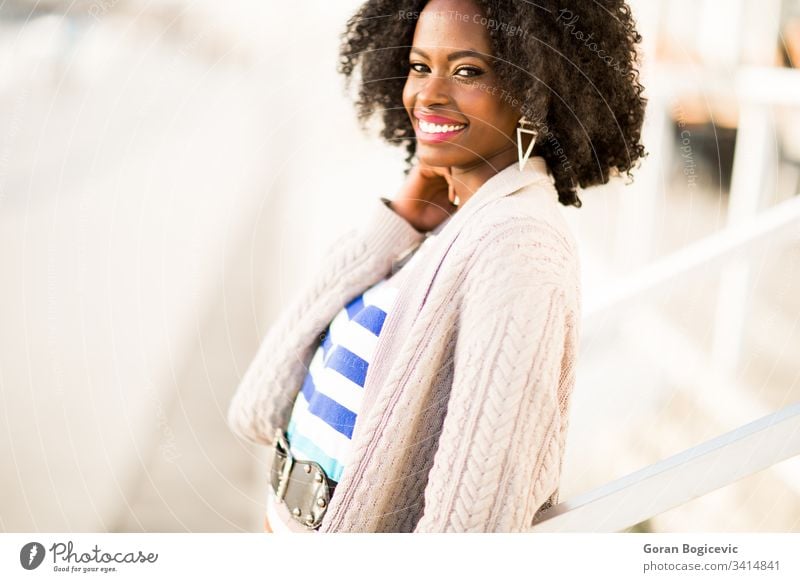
(461, 117)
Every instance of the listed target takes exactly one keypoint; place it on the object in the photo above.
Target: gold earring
(523, 158)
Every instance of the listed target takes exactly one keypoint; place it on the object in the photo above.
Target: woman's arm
(500, 449)
(357, 259)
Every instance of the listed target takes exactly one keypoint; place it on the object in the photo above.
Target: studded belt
(302, 485)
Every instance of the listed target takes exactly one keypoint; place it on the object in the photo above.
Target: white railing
(678, 479)
(772, 226)
(716, 463)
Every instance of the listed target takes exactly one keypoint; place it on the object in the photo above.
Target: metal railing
(772, 226)
(678, 479)
(718, 462)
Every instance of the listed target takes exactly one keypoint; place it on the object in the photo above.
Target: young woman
(422, 382)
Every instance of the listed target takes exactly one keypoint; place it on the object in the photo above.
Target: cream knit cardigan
(465, 410)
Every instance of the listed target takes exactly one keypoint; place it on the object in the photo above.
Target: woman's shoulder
(520, 226)
(520, 241)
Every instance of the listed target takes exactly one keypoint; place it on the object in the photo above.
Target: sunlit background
(171, 171)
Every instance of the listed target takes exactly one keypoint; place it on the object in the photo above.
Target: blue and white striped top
(325, 410)
(324, 414)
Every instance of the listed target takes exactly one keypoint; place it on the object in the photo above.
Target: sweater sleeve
(500, 449)
(357, 260)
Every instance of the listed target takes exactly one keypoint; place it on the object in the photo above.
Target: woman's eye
(470, 72)
(418, 67)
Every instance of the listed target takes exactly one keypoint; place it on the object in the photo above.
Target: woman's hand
(423, 200)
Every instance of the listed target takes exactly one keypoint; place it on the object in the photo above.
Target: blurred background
(171, 171)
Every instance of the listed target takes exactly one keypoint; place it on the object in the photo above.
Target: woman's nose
(434, 90)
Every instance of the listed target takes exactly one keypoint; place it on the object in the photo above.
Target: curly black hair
(574, 70)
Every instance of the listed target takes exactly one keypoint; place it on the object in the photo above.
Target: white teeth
(436, 128)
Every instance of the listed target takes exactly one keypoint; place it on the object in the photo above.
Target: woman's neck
(468, 180)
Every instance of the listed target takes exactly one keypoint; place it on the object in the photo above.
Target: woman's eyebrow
(454, 55)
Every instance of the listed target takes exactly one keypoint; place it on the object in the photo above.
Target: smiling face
(460, 114)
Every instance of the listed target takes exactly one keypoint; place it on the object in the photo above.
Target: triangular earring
(523, 158)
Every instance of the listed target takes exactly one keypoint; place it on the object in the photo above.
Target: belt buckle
(283, 480)
(314, 497)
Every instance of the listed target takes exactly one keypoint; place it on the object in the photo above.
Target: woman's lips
(436, 119)
(433, 132)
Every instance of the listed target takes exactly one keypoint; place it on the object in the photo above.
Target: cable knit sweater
(465, 409)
